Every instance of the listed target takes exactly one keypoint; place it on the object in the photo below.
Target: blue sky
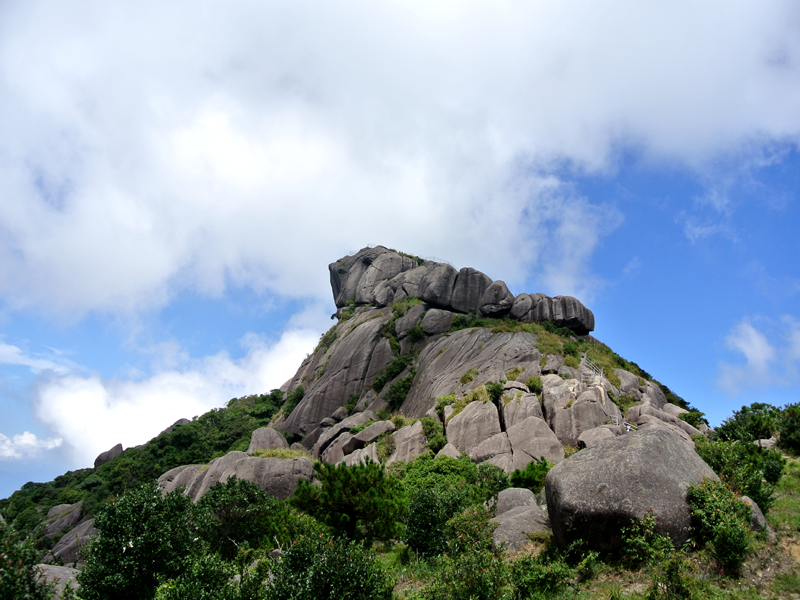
(174, 180)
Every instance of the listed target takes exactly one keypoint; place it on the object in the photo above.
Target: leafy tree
(429, 510)
(532, 476)
(206, 578)
(19, 573)
(237, 512)
(789, 428)
(755, 422)
(142, 538)
(360, 502)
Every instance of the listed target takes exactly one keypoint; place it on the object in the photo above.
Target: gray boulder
(436, 321)
(530, 440)
(449, 450)
(67, 550)
(495, 446)
(60, 577)
(368, 435)
(521, 307)
(514, 498)
(758, 522)
(266, 438)
(340, 414)
(477, 422)
(178, 477)
(468, 289)
(108, 455)
(409, 320)
(590, 409)
(410, 442)
(371, 265)
(592, 437)
(514, 526)
(62, 517)
(520, 408)
(327, 437)
(496, 301)
(363, 455)
(600, 490)
(436, 287)
(335, 452)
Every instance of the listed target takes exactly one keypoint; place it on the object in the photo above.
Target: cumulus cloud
(25, 445)
(91, 414)
(152, 149)
(771, 355)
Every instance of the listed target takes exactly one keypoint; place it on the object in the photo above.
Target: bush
(695, 418)
(532, 476)
(237, 512)
(789, 428)
(317, 567)
(397, 366)
(359, 502)
(755, 422)
(434, 432)
(429, 509)
(642, 545)
(745, 468)
(427, 471)
(492, 479)
(19, 573)
(721, 519)
(398, 391)
(542, 577)
(142, 537)
(672, 581)
(534, 384)
(495, 390)
(292, 400)
(207, 578)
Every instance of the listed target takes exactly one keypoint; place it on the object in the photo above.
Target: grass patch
(572, 361)
(284, 453)
(469, 376)
(785, 513)
(512, 374)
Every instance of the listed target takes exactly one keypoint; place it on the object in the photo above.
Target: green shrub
(721, 519)
(745, 468)
(397, 366)
(512, 374)
(471, 529)
(789, 428)
(385, 446)
(207, 577)
(534, 384)
(532, 476)
(416, 333)
(540, 577)
(399, 390)
(142, 537)
(495, 390)
(492, 479)
(19, 571)
(292, 400)
(429, 509)
(351, 402)
(672, 580)
(318, 567)
(755, 422)
(476, 574)
(434, 432)
(237, 512)
(695, 418)
(641, 544)
(429, 471)
(360, 502)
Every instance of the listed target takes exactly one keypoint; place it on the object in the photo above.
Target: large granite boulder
(62, 517)
(178, 477)
(520, 407)
(363, 455)
(598, 491)
(436, 287)
(468, 290)
(410, 442)
(578, 410)
(266, 438)
(496, 300)
(108, 455)
(355, 277)
(329, 435)
(477, 422)
(368, 435)
(532, 439)
(67, 550)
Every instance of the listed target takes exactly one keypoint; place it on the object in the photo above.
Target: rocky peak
(379, 276)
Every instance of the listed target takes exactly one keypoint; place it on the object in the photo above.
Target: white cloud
(25, 445)
(92, 415)
(154, 148)
(772, 356)
(13, 355)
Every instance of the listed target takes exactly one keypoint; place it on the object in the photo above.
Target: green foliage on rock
(532, 476)
(434, 432)
(293, 399)
(534, 384)
(397, 366)
(399, 390)
(361, 502)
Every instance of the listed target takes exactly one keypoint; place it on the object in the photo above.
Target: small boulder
(62, 517)
(108, 455)
(266, 438)
(436, 321)
(513, 498)
(370, 453)
(514, 526)
(449, 450)
(339, 414)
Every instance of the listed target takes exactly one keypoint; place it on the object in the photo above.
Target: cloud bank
(156, 148)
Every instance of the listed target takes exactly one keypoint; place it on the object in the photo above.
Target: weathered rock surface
(371, 265)
(67, 550)
(410, 442)
(436, 287)
(449, 450)
(178, 477)
(62, 517)
(477, 422)
(60, 576)
(532, 439)
(266, 438)
(520, 408)
(468, 290)
(368, 435)
(370, 453)
(597, 491)
(571, 410)
(513, 498)
(515, 524)
(496, 300)
(592, 437)
(108, 455)
(327, 437)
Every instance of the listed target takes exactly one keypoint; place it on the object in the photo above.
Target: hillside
(434, 382)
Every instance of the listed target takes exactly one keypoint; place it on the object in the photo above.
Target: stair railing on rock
(590, 373)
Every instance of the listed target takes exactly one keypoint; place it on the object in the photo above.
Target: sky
(175, 178)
